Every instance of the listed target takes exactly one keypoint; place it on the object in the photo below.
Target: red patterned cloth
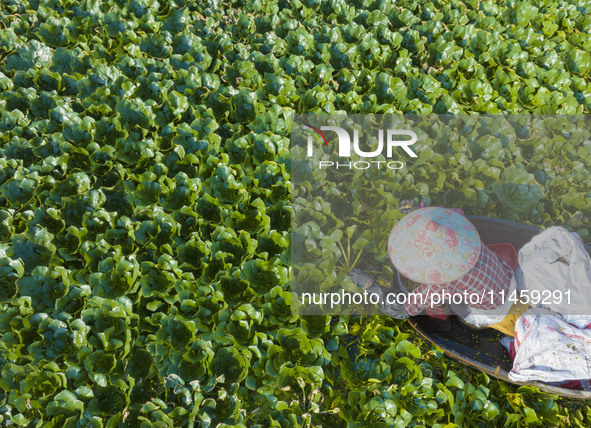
(489, 273)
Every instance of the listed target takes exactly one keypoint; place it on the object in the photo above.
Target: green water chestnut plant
(145, 203)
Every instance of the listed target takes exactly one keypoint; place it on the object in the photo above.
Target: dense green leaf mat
(145, 203)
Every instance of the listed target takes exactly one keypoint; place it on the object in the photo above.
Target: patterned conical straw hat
(434, 246)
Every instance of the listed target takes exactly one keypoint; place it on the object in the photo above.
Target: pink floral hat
(434, 246)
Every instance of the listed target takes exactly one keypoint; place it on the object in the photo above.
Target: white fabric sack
(549, 349)
(543, 270)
